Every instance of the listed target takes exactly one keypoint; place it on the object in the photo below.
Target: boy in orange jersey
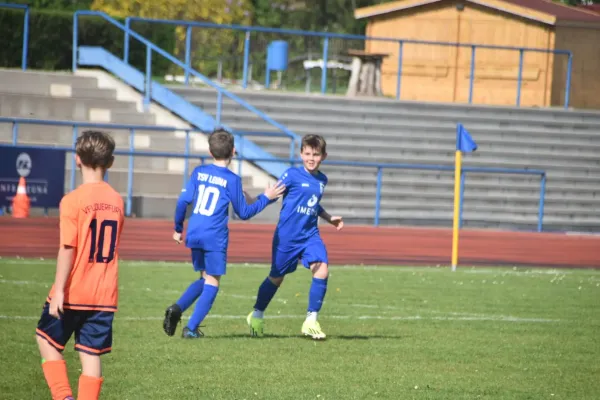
(83, 299)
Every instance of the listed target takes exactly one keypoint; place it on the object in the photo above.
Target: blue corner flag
(464, 141)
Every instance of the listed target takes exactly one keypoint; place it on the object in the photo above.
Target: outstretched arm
(246, 211)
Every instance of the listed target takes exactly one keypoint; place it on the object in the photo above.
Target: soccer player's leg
(214, 265)
(52, 335)
(315, 258)
(174, 312)
(93, 338)
(284, 261)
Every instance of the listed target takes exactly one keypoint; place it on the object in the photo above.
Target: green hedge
(51, 40)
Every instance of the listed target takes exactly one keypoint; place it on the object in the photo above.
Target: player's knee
(212, 280)
(320, 270)
(276, 281)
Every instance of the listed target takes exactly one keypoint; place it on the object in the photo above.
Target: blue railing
(327, 36)
(25, 30)
(150, 47)
(132, 152)
(76, 125)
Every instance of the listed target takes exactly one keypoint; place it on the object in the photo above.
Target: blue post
(74, 50)
(239, 159)
(246, 59)
(461, 200)
(378, 194)
(126, 40)
(15, 133)
(324, 71)
(542, 201)
(148, 78)
(292, 148)
(219, 106)
(520, 78)
(472, 75)
(130, 172)
(186, 151)
(25, 39)
(399, 78)
(268, 78)
(188, 50)
(568, 83)
(73, 164)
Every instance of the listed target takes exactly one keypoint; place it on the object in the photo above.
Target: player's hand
(177, 237)
(337, 222)
(275, 192)
(56, 304)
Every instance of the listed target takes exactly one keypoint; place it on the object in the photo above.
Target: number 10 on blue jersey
(203, 207)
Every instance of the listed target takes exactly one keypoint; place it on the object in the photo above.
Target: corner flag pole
(464, 143)
(457, 170)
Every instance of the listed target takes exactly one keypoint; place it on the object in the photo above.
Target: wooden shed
(442, 73)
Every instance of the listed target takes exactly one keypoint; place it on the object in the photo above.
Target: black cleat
(172, 318)
(190, 334)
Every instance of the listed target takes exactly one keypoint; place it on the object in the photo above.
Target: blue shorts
(213, 262)
(285, 257)
(92, 329)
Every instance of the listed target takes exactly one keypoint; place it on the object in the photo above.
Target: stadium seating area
(64, 96)
(563, 143)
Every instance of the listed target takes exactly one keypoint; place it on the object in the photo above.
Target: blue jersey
(300, 208)
(210, 189)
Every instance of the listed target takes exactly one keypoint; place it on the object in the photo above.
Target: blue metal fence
(221, 92)
(25, 30)
(132, 152)
(326, 37)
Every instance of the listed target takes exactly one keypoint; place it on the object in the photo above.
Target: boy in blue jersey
(210, 189)
(297, 237)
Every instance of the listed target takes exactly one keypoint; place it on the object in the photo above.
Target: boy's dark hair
(95, 149)
(220, 144)
(316, 142)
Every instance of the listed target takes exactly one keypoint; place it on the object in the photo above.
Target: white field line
(382, 268)
(384, 308)
(497, 318)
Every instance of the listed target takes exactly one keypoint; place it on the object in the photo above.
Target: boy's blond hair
(95, 149)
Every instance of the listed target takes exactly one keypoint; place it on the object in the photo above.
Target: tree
(222, 41)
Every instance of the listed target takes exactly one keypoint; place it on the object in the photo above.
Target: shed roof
(545, 11)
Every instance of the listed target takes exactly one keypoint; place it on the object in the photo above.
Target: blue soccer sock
(266, 291)
(203, 306)
(316, 295)
(191, 294)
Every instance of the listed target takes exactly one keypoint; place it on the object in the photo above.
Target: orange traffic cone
(21, 203)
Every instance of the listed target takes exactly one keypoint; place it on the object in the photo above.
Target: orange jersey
(91, 221)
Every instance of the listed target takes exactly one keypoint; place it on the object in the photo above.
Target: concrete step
(57, 91)
(42, 78)
(302, 100)
(373, 115)
(43, 107)
(300, 122)
(375, 149)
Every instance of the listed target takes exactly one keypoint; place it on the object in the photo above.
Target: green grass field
(393, 333)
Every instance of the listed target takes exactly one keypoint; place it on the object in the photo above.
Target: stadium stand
(564, 143)
(95, 96)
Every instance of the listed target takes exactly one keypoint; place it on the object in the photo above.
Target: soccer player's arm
(286, 179)
(241, 207)
(66, 252)
(185, 198)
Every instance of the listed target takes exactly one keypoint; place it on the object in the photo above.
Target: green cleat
(313, 329)
(257, 325)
